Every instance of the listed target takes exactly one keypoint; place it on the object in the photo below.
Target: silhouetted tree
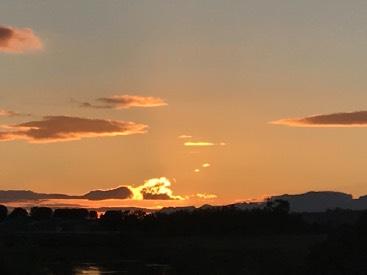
(278, 206)
(113, 215)
(71, 213)
(18, 213)
(3, 212)
(41, 213)
(93, 215)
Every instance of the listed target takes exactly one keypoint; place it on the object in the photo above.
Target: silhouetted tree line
(274, 218)
(343, 252)
(46, 213)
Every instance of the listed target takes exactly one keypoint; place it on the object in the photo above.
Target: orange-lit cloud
(154, 189)
(18, 40)
(126, 102)
(64, 128)
(203, 144)
(206, 196)
(197, 170)
(347, 119)
(199, 143)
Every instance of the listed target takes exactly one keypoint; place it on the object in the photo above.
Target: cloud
(11, 113)
(155, 189)
(126, 102)
(199, 143)
(206, 196)
(121, 192)
(152, 189)
(204, 165)
(184, 136)
(65, 128)
(347, 119)
(18, 40)
(203, 144)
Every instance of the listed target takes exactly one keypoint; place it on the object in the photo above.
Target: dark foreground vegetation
(211, 240)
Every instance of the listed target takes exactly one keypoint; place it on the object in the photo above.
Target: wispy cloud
(18, 40)
(203, 144)
(346, 119)
(184, 136)
(204, 165)
(11, 113)
(65, 128)
(206, 196)
(125, 102)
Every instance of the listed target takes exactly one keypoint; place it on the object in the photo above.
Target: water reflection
(95, 270)
(116, 268)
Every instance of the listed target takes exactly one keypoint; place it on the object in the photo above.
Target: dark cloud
(348, 119)
(64, 128)
(122, 192)
(26, 195)
(149, 196)
(125, 102)
(18, 40)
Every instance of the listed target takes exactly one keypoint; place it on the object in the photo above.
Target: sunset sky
(228, 100)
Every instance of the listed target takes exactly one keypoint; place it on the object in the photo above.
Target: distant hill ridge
(313, 201)
(321, 201)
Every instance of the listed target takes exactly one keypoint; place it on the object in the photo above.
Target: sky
(235, 100)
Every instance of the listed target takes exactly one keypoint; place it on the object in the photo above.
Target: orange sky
(205, 93)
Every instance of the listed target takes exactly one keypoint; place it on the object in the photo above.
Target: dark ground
(221, 240)
(58, 253)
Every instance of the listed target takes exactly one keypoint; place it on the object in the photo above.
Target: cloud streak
(126, 102)
(65, 128)
(7, 113)
(203, 144)
(346, 119)
(185, 136)
(18, 40)
(206, 196)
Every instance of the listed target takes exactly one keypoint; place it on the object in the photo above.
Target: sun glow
(159, 187)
